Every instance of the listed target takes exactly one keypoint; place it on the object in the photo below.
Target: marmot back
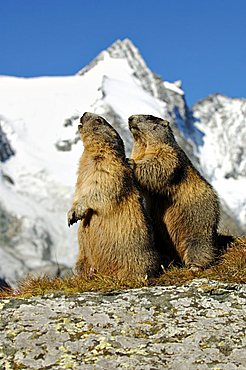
(115, 236)
(182, 204)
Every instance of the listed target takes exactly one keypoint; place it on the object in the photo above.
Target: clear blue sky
(203, 43)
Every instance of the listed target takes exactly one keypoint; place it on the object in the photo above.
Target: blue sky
(203, 43)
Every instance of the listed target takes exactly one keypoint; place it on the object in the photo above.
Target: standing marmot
(115, 237)
(182, 204)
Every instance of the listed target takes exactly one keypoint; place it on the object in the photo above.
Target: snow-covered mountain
(222, 154)
(40, 148)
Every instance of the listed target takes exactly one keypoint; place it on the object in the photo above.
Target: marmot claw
(71, 217)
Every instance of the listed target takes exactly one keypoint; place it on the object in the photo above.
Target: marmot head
(150, 129)
(99, 136)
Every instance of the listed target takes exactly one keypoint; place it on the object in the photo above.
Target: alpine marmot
(115, 236)
(183, 206)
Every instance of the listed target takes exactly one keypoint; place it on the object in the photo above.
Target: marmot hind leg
(82, 267)
(199, 254)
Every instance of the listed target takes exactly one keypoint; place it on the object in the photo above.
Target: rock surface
(200, 325)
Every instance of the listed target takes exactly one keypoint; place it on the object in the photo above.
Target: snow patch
(173, 87)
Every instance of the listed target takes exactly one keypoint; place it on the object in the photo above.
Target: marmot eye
(164, 123)
(98, 120)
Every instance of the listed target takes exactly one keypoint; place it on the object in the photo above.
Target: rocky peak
(172, 94)
(125, 49)
(196, 130)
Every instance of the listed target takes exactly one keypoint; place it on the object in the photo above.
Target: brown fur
(115, 237)
(182, 204)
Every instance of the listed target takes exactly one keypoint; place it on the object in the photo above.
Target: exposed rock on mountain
(6, 150)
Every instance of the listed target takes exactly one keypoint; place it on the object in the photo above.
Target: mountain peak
(122, 48)
(118, 49)
(125, 49)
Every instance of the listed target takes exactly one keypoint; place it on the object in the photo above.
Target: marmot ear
(164, 123)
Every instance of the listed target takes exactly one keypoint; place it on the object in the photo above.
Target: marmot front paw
(71, 217)
(79, 213)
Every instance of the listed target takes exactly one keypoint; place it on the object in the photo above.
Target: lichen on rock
(200, 325)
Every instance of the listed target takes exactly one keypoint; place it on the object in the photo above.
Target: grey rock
(6, 150)
(200, 325)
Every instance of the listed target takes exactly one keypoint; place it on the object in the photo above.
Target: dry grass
(231, 267)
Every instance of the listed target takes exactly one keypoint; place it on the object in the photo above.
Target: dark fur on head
(150, 128)
(95, 131)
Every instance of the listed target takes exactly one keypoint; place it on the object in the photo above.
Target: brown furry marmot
(115, 237)
(182, 204)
